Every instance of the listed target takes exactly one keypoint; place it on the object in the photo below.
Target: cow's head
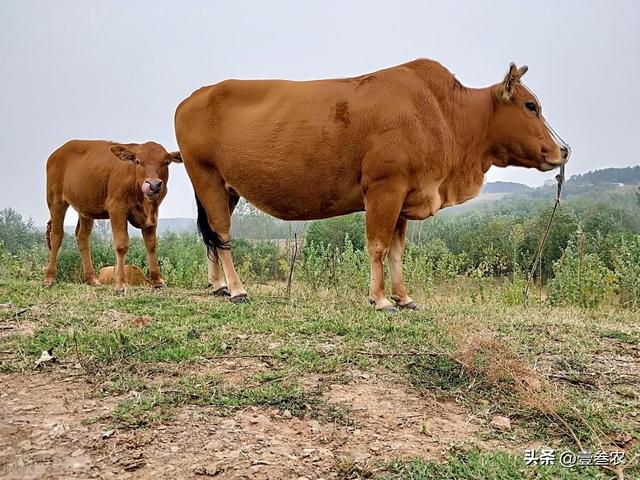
(151, 162)
(519, 133)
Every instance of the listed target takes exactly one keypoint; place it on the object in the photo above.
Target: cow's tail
(47, 235)
(211, 239)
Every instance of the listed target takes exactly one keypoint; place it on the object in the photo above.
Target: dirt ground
(45, 432)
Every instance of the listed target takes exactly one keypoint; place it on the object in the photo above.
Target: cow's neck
(469, 116)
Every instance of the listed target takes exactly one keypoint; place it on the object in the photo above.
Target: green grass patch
(498, 465)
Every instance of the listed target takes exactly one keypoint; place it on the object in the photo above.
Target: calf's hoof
(241, 298)
(94, 282)
(221, 292)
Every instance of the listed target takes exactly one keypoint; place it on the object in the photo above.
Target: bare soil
(46, 432)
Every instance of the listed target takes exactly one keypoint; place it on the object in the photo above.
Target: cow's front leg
(150, 242)
(396, 252)
(382, 208)
(121, 245)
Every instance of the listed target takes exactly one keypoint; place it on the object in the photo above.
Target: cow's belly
(293, 175)
(86, 199)
(294, 190)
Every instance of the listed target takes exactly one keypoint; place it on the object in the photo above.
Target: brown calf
(133, 276)
(99, 179)
(400, 144)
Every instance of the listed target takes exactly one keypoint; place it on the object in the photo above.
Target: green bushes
(627, 268)
(590, 257)
(332, 232)
(581, 279)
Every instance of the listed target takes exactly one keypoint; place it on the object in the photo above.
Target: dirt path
(44, 433)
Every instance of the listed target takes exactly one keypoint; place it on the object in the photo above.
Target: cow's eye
(531, 106)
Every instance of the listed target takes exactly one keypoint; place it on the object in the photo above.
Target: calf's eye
(531, 106)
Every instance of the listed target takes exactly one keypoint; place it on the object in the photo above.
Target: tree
(333, 232)
(15, 233)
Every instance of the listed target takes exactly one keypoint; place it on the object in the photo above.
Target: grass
(499, 465)
(157, 403)
(479, 352)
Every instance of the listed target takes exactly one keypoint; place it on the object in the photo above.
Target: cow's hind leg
(214, 270)
(214, 222)
(83, 238)
(396, 252)
(54, 236)
(382, 209)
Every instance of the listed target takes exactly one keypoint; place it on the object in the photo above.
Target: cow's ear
(508, 85)
(123, 153)
(175, 157)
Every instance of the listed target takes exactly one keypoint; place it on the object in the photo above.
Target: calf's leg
(396, 252)
(121, 245)
(83, 239)
(150, 242)
(54, 235)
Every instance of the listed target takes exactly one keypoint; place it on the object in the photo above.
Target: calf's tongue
(146, 189)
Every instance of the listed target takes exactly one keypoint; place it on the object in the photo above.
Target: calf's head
(519, 133)
(151, 162)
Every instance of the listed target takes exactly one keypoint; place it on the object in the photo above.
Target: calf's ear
(123, 153)
(175, 157)
(508, 85)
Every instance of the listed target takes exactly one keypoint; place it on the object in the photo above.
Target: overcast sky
(117, 69)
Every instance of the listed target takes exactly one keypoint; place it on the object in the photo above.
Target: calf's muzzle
(152, 187)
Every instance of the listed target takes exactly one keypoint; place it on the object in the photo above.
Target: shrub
(332, 232)
(580, 278)
(627, 271)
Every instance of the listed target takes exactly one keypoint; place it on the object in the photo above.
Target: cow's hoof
(408, 306)
(221, 292)
(159, 286)
(388, 309)
(49, 283)
(93, 282)
(241, 298)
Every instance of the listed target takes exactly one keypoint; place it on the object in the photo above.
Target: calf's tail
(47, 235)
(211, 239)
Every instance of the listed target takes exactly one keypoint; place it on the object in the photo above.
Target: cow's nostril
(565, 152)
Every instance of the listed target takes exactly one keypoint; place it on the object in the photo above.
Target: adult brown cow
(400, 144)
(99, 179)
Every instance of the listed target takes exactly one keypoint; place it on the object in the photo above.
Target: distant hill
(176, 225)
(623, 176)
(597, 184)
(504, 187)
